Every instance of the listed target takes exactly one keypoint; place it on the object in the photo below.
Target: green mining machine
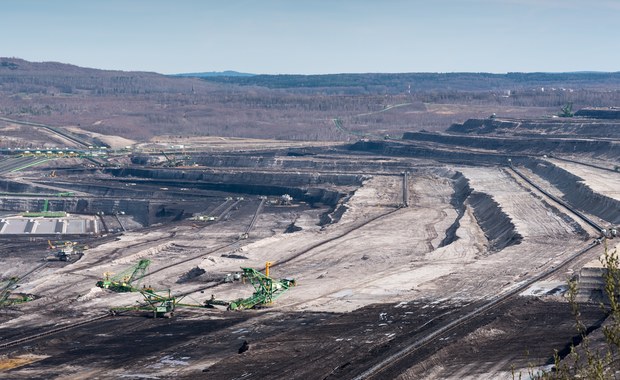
(126, 281)
(161, 304)
(266, 289)
(6, 296)
(5, 290)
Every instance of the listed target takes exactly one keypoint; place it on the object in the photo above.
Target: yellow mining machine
(64, 250)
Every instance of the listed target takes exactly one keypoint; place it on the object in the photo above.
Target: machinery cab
(164, 310)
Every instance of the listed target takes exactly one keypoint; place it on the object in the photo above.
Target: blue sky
(316, 36)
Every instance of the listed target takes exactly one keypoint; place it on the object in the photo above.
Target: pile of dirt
(292, 228)
(576, 192)
(497, 226)
(191, 274)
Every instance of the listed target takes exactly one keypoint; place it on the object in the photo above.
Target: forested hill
(143, 105)
(209, 74)
(417, 82)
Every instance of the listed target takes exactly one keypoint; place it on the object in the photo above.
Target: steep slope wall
(461, 193)
(497, 226)
(521, 144)
(576, 192)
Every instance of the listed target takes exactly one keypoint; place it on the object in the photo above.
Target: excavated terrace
(372, 275)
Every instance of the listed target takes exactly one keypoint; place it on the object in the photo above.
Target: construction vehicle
(285, 200)
(206, 218)
(7, 297)
(126, 281)
(62, 251)
(164, 304)
(161, 305)
(212, 302)
(266, 289)
(172, 162)
(6, 288)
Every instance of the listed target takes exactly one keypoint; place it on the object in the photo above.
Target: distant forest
(338, 107)
(421, 82)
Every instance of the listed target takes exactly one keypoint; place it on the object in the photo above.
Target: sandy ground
(216, 144)
(394, 256)
(115, 142)
(377, 253)
(600, 181)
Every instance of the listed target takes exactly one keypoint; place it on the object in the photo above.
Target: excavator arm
(126, 281)
(266, 289)
(5, 290)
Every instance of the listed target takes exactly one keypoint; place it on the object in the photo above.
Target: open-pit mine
(435, 255)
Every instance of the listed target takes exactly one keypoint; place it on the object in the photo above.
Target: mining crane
(126, 281)
(266, 289)
(171, 162)
(11, 284)
(161, 303)
(5, 293)
(5, 290)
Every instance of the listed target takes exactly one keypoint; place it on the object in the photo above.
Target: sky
(316, 36)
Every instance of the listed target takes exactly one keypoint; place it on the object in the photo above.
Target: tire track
(557, 200)
(389, 367)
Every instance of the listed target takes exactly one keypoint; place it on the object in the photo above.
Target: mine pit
(428, 256)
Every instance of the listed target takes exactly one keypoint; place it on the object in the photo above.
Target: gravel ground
(368, 285)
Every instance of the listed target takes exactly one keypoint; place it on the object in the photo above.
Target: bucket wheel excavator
(266, 289)
(7, 295)
(160, 304)
(126, 281)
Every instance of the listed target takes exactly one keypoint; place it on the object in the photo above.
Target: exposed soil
(372, 277)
